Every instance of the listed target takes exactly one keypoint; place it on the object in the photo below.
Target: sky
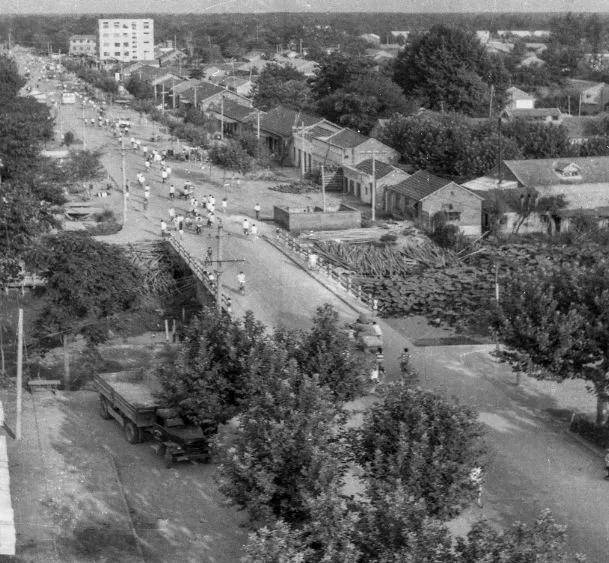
(248, 6)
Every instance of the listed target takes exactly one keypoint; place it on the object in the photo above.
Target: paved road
(534, 463)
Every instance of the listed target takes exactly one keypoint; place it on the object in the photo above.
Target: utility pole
(219, 269)
(499, 156)
(302, 152)
(154, 94)
(19, 374)
(125, 193)
(84, 130)
(195, 89)
(163, 97)
(173, 86)
(373, 194)
(323, 188)
(222, 116)
(490, 104)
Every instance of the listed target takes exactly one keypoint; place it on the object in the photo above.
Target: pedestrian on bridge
(163, 176)
(257, 211)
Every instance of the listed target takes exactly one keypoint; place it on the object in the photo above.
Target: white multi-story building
(126, 40)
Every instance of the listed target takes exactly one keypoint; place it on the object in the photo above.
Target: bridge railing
(207, 280)
(345, 278)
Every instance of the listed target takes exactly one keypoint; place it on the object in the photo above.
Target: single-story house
(593, 96)
(326, 143)
(237, 84)
(551, 116)
(531, 59)
(202, 94)
(519, 99)
(358, 180)
(371, 38)
(483, 35)
(499, 47)
(582, 182)
(277, 128)
(237, 118)
(422, 195)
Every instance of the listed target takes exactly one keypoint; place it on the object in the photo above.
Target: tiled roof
(205, 90)
(347, 139)
(281, 120)
(234, 110)
(320, 132)
(186, 85)
(83, 38)
(518, 94)
(381, 169)
(546, 171)
(419, 185)
(534, 112)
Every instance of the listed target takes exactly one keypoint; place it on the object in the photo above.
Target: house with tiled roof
(236, 117)
(519, 99)
(240, 85)
(549, 116)
(202, 94)
(422, 195)
(277, 128)
(328, 144)
(359, 180)
(582, 182)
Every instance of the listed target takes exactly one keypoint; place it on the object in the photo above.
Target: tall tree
(407, 440)
(556, 323)
(280, 85)
(449, 70)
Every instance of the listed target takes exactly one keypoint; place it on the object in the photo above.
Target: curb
(318, 279)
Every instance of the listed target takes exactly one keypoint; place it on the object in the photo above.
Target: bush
(68, 138)
(231, 155)
(598, 435)
(445, 235)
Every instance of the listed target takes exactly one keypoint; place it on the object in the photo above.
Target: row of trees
(454, 146)
(316, 489)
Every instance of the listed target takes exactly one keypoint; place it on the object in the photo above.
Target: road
(534, 463)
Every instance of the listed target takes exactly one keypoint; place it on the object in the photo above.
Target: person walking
(146, 197)
(241, 282)
(164, 176)
(246, 227)
(257, 211)
(163, 228)
(147, 165)
(254, 230)
(377, 329)
(172, 213)
(181, 226)
(168, 170)
(172, 191)
(224, 204)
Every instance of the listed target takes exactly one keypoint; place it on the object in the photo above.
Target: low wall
(298, 219)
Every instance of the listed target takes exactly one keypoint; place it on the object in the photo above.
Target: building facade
(83, 45)
(126, 40)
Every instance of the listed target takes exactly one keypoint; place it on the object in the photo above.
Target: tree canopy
(449, 70)
(280, 85)
(87, 283)
(556, 324)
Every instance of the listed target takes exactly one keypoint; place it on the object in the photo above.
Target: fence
(207, 280)
(343, 278)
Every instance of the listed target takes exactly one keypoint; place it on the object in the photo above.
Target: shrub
(598, 435)
(68, 138)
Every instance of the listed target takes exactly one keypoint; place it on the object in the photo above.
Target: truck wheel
(132, 433)
(103, 408)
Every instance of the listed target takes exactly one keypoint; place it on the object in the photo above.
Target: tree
(538, 140)
(208, 377)
(12, 81)
(68, 138)
(449, 70)
(280, 85)
(556, 324)
(286, 449)
(325, 350)
(88, 283)
(141, 89)
(418, 440)
(363, 101)
(337, 70)
(230, 154)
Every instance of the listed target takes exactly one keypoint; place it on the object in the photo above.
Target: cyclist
(241, 280)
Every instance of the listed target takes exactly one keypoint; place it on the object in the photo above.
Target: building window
(116, 25)
(453, 215)
(117, 44)
(117, 53)
(126, 44)
(106, 54)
